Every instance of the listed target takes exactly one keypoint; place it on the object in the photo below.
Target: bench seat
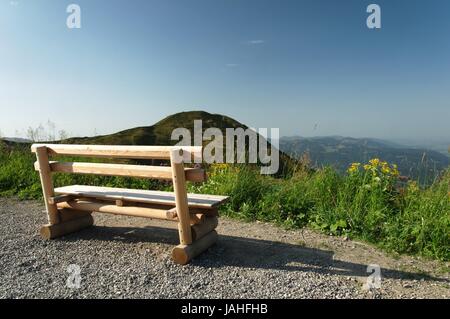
(140, 196)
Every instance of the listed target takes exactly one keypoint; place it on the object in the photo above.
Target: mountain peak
(186, 119)
(160, 133)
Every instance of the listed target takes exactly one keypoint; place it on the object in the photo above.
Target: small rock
(407, 285)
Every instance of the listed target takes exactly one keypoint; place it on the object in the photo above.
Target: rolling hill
(160, 133)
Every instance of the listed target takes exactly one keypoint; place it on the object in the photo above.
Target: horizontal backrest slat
(143, 171)
(117, 151)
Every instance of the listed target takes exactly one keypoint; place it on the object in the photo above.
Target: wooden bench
(69, 208)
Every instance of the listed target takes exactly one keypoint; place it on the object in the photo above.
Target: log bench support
(191, 243)
(182, 254)
(71, 221)
(70, 211)
(60, 222)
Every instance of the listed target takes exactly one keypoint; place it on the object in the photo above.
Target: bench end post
(47, 184)
(181, 200)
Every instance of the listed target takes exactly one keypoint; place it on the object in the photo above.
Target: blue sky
(307, 67)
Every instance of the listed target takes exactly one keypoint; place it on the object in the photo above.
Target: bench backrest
(122, 152)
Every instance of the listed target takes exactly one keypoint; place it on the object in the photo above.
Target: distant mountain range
(340, 151)
(441, 145)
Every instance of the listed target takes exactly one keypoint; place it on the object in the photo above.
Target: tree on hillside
(47, 133)
(51, 131)
(63, 135)
(35, 134)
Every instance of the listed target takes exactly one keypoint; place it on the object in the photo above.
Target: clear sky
(308, 67)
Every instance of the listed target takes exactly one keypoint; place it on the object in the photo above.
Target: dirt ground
(250, 260)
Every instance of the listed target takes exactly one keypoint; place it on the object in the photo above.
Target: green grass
(367, 204)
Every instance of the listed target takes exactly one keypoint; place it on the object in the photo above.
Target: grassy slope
(404, 219)
(160, 133)
(368, 206)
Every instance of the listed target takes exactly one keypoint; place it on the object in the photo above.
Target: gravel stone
(124, 257)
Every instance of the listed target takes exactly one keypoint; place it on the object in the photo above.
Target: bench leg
(204, 236)
(182, 254)
(47, 184)
(181, 200)
(200, 230)
(70, 221)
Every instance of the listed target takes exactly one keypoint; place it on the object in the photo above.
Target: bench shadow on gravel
(246, 253)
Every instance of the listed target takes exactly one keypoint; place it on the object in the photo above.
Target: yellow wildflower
(395, 172)
(219, 165)
(375, 162)
(354, 167)
(412, 186)
(385, 168)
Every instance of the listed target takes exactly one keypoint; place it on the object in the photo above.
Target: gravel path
(124, 257)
